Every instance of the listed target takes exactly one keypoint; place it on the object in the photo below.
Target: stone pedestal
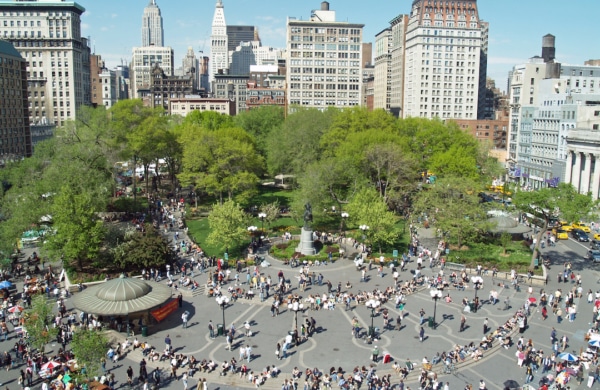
(306, 246)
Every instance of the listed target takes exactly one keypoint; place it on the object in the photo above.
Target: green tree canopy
(38, 322)
(259, 123)
(367, 207)
(563, 201)
(454, 204)
(228, 225)
(89, 347)
(221, 162)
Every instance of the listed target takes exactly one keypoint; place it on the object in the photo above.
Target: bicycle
(450, 369)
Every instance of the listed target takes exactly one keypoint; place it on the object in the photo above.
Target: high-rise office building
(152, 26)
(15, 134)
(144, 60)
(324, 62)
(219, 46)
(239, 34)
(382, 83)
(252, 53)
(48, 35)
(444, 43)
(190, 66)
(438, 60)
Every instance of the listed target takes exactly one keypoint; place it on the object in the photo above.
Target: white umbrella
(568, 357)
(594, 343)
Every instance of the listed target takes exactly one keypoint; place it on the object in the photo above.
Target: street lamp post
(372, 304)
(435, 295)
(477, 282)
(345, 216)
(295, 307)
(262, 217)
(223, 301)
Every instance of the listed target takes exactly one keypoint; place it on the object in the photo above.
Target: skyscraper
(152, 26)
(48, 35)
(326, 71)
(219, 55)
(15, 135)
(438, 60)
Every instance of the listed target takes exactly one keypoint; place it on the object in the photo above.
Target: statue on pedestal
(308, 217)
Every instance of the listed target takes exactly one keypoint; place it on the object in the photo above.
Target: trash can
(220, 330)
(144, 331)
(431, 322)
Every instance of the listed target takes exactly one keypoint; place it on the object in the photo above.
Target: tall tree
(296, 144)
(545, 203)
(228, 225)
(38, 323)
(368, 208)
(221, 162)
(259, 123)
(89, 347)
(454, 204)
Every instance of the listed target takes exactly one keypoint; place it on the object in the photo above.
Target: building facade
(398, 26)
(583, 155)
(143, 62)
(382, 83)
(238, 34)
(219, 43)
(163, 88)
(443, 49)
(48, 35)
(252, 53)
(184, 105)
(15, 133)
(232, 87)
(191, 66)
(324, 61)
(152, 26)
(266, 87)
(493, 132)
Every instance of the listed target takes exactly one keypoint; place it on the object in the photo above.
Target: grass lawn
(518, 256)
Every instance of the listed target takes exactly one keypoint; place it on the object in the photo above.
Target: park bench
(455, 266)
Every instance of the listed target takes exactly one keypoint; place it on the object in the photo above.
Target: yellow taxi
(597, 236)
(581, 226)
(560, 234)
(565, 226)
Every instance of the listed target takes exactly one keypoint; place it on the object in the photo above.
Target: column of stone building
(587, 171)
(577, 171)
(596, 177)
(569, 168)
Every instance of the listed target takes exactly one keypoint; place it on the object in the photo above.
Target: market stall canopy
(508, 225)
(121, 296)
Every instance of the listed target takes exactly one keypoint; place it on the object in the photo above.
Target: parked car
(595, 244)
(580, 235)
(560, 234)
(597, 236)
(594, 256)
(581, 226)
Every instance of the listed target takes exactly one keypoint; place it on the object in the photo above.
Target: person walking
(130, 375)
(421, 334)
(184, 319)
(278, 351)
(248, 353)
(184, 379)
(485, 326)
(463, 321)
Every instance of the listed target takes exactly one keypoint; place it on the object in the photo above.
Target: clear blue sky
(516, 26)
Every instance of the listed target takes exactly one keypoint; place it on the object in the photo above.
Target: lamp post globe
(295, 307)
(477, 282)
(262, 217)
(344, 216)
(373, 305)
(223, 301)
(435, 295)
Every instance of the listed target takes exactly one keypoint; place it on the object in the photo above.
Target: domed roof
(123, 289)
(122, 296)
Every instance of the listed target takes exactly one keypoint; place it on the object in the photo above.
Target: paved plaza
(333, 345)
